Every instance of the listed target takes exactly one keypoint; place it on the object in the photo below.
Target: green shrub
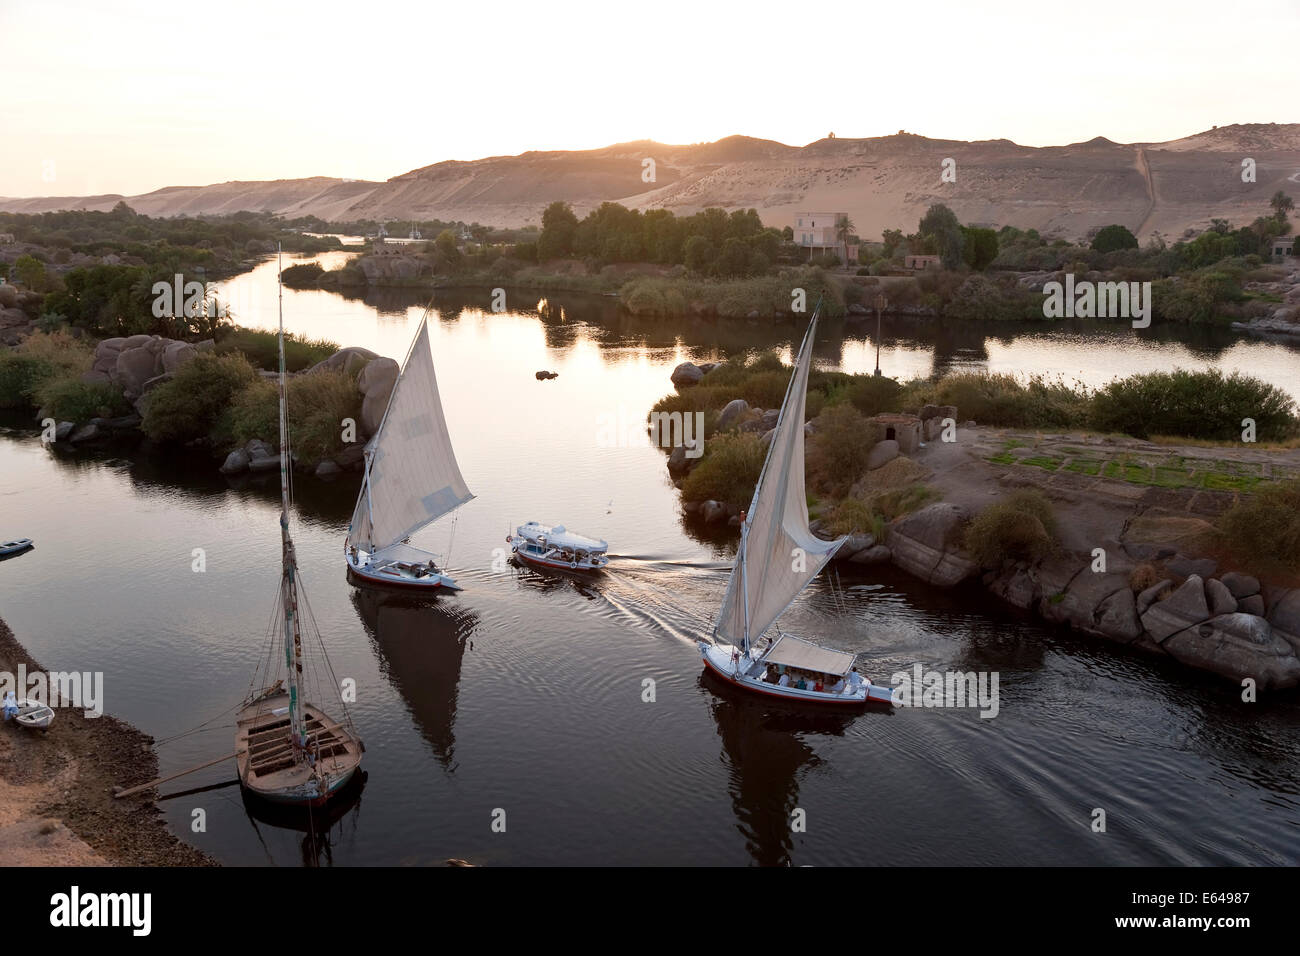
(317, 405)
(1263, 531)
(262, 348)
(1194, 404)
(189, 405)
(838, 450)
(850, 516)
(41, 357)
(20, 377)
(728, 470)
(302, 275)
(253, 412)
(72, 400)
(871, 394)
(1020, 527)
(1000, 399)
(51, 321)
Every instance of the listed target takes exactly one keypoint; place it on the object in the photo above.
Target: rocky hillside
(883, 182)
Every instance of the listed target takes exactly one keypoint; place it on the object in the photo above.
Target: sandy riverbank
(56, 791)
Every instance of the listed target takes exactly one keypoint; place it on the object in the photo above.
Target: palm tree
(1282, 204)
(843, 232)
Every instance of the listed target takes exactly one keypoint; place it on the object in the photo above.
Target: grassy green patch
(1218, 481)
(1127, 471)
(1085, 466)
(1042, 461)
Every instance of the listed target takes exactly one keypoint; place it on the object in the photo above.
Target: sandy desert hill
(883, 183)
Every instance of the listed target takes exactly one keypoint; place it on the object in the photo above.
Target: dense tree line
(217, 244)
(710, 242)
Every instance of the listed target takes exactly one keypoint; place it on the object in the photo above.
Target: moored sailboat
(287, 749)
(778, 556)
(411, 480)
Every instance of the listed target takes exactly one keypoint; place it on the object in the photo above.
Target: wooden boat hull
(11, 549)
(267, 759)
(536, 561)
(717, 660)
(34, 715)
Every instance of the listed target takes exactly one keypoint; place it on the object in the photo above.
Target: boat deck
(270, 764)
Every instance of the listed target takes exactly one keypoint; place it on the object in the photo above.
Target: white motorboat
(557, 548)
(411, 480)
(777, 558)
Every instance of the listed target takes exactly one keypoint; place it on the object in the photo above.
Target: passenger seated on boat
(784, 681)
(802, 684)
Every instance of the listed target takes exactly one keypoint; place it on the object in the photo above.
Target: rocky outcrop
(375, 383)
(351, 360)
(713, 512)
(1182, 609)
(681, 460)
(1220, 598)
(1284, 616)
(881, 454)
(731, 414)
(1238, 646)
(1240, 585)
(687, 374)
(236, 462)
(927, 544)
(394, 269)
(137, 362)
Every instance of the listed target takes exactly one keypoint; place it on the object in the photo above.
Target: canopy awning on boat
(793, 652)
(561, 537)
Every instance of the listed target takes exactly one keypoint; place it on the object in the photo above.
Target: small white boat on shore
(557, 548)
(17, 546)
(28, 713)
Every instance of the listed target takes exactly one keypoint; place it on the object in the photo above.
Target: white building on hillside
(818, 232)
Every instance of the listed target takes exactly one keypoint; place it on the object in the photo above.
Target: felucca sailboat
(411, 480)
(777, 557)
(286, 749)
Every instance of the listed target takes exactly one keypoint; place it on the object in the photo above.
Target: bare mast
(288, 582)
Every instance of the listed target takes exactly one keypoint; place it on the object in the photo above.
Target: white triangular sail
(411, 473)
(778, 555)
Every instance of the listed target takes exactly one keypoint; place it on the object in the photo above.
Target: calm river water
(524, 693)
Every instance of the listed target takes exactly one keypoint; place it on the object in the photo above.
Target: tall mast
(289, 583)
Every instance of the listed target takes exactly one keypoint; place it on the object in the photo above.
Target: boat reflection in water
(322, 827)
(421, 643)
(765, 751)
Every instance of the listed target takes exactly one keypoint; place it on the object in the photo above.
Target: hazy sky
(126, 97)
